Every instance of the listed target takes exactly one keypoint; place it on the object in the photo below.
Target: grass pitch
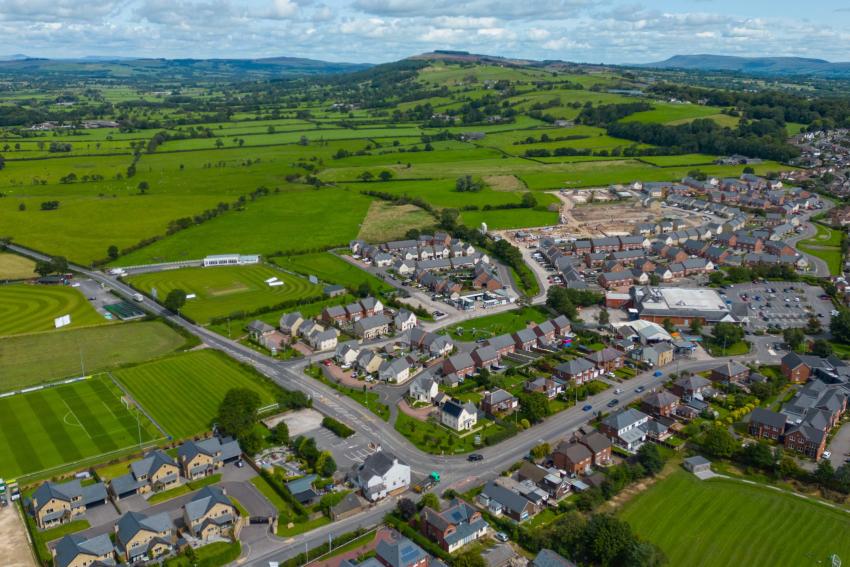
(14, 267)
(224, 290)
(32, 359)
(183, 392)
(66, 424)
(717, 523)
(26, 308)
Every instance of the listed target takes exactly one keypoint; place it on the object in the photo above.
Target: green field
(14, 267)
(331, 269)
(24, 360)
(183, 392)
(26, 308)
(498, 324)
(826, 245)
(223, 290)
(66, 424)
(719, 523)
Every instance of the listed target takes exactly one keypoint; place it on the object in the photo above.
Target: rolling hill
(754, 65)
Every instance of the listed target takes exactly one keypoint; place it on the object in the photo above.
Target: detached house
(76, 550)
(607, 359)
(53, 504)
(404, 320)
(546, 386)
(661, 404)
(202, 458)
(458, 416)
(211, 514)
(453, 527)
(498, 401)
(140, 536)
(156, 471)
(574, 458)
(733, 372)
(394, 371)
(499, 501)
(423, 388)
(626, 428)
(380, 475)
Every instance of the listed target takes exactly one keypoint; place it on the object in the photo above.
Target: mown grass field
(223, 290)
(66, 424)
(183, 392)
(32, 359)
(500, 323)
(14, 267)
(826, 245)
(331, 269)
(26, 308)
(718, 523)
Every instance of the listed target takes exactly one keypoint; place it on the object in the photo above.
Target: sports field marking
(80, 423)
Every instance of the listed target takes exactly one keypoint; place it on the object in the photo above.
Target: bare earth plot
(14, 546)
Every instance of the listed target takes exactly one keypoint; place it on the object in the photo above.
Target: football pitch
(45, 429)
(223, 290)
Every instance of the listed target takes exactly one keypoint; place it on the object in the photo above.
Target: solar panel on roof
(408, 553)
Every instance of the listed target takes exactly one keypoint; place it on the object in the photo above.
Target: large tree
(175, 299)
(534, 406)
(237, 413)
(727, 333)
(718, 442)
(839, 326)
(794, 336)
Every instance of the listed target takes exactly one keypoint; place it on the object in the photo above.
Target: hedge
(284, 493)
(318, 551)
(339, 428)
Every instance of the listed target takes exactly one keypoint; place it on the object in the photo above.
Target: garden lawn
(183, 392)
(14, 267)
(436, 439)
(224, 290)
(26, 308)
(23, 361)
(46, 429)
(500, 323)
(331, 269)
(717, 523)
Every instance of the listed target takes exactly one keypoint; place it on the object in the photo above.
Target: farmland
(28, 308)
(224, 290)
(724, 522)
(77, 351)
(66, 424)
(183, 392)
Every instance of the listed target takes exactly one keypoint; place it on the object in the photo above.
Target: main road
(455, 470)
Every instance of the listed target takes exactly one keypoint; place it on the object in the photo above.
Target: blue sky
(594, 31)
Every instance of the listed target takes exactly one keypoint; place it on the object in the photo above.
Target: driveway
(840, 446)
(251, 498)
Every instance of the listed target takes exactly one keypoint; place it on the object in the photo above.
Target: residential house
(372, 327)
(453, 527)
(156, 471)
(625, 428)
(394, 371)
(767, 424)
(346, 354)
(731, 371)
(502, 344)
(258, 329)
(658, 354)
(546, 386)
(53, 503)
(302, 489)
(498, 401)
(198, 459)
(76, 550)
(572, 457)
(545, 333)
(577, 370)
(380, 475)
(485, 357)
(660, 404)
(404, 320)
(210, 514)
(807, 440)
(139, 537)
(691, 387)
(400, 552)
(548, 558)
(562, 325)
(423, 388)
(460, 364)
(368, 361)
(607, 359)
(458, 416)
(525, 339)
(599, 445)
(499, 501)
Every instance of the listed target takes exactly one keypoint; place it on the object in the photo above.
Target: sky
(376, 31)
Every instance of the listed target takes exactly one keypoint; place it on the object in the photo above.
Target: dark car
(613, 403)
(588, 407)
(475, 457)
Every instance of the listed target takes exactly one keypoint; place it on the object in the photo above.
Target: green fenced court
(27, 308)
(46, 429)
(183, 392)
(224, 290)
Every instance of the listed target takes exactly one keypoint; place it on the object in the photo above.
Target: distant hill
(754, 65)
(466, 57)
(128, 68)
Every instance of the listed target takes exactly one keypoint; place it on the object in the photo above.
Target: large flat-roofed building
(231, 260)
(682, 305)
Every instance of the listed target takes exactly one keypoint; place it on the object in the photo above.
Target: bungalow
(499, 501)
(372, 327)
(302, 489)
(731, 371)
(546, 386)
(498, 401)
(211, 514)
(660, 404)
(767, 424)
(453, 527)
(460, 364)
(423, 388)
(458, 416)
(139, 537)
(76, 550)
(577, 370)
(202, 458)
(573, 457)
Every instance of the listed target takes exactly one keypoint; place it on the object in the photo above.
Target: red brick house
(607, 359)
(453, 527)
(806, 440)
(460, 364)
(766, 424)
(599, 445)
(661, 404)
(795, 368)
(574, 458)
(730, 372)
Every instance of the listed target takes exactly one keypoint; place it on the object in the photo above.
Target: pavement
(455, 470)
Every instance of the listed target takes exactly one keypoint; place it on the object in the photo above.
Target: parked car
(501, 536)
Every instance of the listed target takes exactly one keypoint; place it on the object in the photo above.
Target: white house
(323, 340)
(404, 320)
(458, 416)
(394, 371)
(423, 388)
(380, 475)
(346, 354)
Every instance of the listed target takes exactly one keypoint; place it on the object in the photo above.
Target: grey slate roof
(624, 418)
(575, 366)
(205, 499)
(132, 523)
(548, 558)
(507, 498)
(377, 464)
(400, 553)
(767, 417)
(70, 546)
